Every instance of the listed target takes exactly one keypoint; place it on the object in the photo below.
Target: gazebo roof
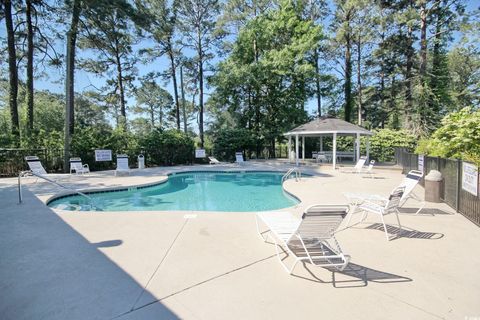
(327, 125)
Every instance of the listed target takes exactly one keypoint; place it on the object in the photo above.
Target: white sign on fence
(420, 162)
(470, 178)
(200, 153)
(103, 155)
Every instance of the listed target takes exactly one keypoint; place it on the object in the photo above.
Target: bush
(458, 137)
(169, 147)
(229, 141)
(384, 141)
(86, 140)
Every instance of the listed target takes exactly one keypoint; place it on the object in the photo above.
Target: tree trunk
(317, 83)
(70, 83)
(200, 80)
(382, 81)
(28, 13)
(123, 109)
(359, 80)
(13, 72)
(348, 75)
(423, 41)
(408, 80)
(173, 71)
(152, 116)
(183, 101)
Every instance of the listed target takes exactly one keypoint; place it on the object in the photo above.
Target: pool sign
(470, 178)
(420, 162)
(103, 155)
(200, 153)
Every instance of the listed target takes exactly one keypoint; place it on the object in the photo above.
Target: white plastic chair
(213, 160)
(311, 238)
(358, 166)
(390, 207)
(122, 164)
(369, 169)
(239, 158)
(35, 165)
(410, 181)
(77, 166)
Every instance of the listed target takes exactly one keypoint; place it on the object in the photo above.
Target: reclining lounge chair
(78, 167)
(311, 238)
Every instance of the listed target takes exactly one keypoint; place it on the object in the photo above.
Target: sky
(84, 81)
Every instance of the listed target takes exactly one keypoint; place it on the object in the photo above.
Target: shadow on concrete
(425, 211)
(406, 233)
(107, 244)
(354, 275)
(49, 271)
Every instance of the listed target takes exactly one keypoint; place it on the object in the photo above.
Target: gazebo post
(357, 147)
(303, 149)
(296, 150)
(368, 148)
(334, 154)
(289, 151)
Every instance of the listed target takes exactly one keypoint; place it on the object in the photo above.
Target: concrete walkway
(161, 265)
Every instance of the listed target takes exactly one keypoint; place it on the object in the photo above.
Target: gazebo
(326, 126)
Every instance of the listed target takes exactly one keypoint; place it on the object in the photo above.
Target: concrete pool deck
(199, 265)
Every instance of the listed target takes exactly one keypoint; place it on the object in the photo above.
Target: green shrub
(458, 137)
(169, 147)
(228, 141)
(384, 141)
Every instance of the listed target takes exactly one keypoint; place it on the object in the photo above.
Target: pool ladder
(23, 174)
(290, 172)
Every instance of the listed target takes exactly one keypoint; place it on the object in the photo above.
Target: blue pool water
(195, 191)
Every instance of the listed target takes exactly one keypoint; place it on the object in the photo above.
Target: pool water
(192, 191)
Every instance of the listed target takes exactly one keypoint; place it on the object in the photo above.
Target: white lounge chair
(358, 166)
(390, 207)
(122, 164)
(213, 160)
(35, 165)
(369, 169)
(410, 181)
(239, 158)
(311, 238)
(78, 167)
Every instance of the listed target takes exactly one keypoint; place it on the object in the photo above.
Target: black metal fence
(452, 170)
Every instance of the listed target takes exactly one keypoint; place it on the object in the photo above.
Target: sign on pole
(421, 162)
(470, 178)
(200, 153)
(103, 155)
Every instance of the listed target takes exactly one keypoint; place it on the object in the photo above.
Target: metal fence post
(459, 185)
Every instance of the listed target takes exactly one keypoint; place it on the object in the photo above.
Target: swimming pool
(192, 191)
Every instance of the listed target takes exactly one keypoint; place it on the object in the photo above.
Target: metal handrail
(290, 172)
(29, 172)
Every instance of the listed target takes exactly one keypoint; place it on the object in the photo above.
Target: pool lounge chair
(78, 167)
(35, 165)
(369, 169)
(239, 158)
(122, 164)
(390, 207)
(410, 181)
(213, 160)
(358, 166)
(311, 238)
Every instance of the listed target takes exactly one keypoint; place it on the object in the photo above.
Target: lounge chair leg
(399, 225)
(385, 228)
(421, 207)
